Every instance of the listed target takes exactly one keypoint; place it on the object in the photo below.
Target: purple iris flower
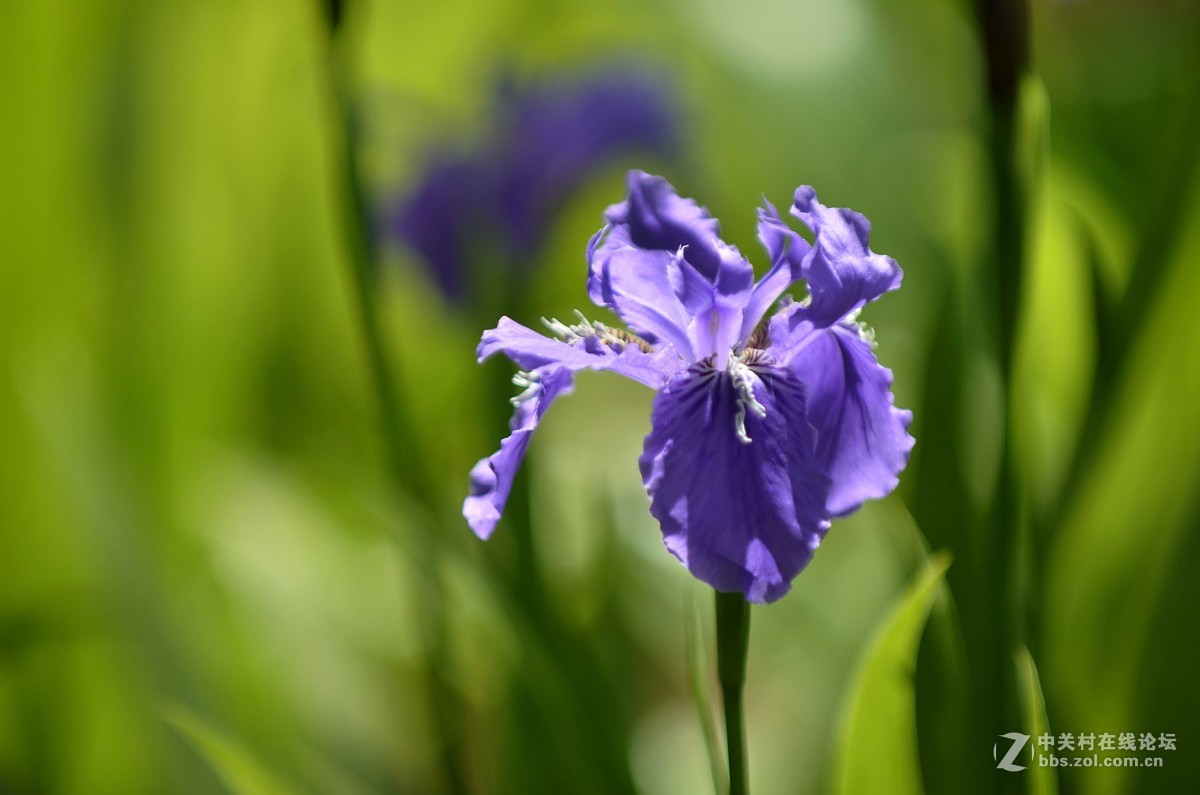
(764, 427)
(543, 140)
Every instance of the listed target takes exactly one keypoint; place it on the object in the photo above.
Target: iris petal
(492, 477)
(704, 271)
(787, 251)
(657, 218)
(863, 440)
(843, 273)
(636, 285)
(741, 517)
(531, 351)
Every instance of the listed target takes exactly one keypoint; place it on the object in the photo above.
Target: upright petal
(533, 351)
(636, 285)
(656, 218)
(741, 517)
(862, 438)
(843, 273)
(492, 478)
(787, 251)
(715, 308)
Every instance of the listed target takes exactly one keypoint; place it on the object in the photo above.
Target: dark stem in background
(399, 435)
(1004, 27)
(733, 637)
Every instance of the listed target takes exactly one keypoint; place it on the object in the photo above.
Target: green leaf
(1111, 560)
(1043, 780)
(1055, 345)
(877, 749)
(241, 773)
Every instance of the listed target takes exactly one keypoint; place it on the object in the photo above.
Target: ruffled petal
(492, 478)
(657, 218)
(720, 308)
(741, 517)
(862, 438)
(533, 351)
(787, 251)
(654, 218)
(843, 273)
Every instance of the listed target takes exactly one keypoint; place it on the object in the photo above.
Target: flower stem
(733, 636)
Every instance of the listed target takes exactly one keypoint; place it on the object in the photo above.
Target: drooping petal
(843, 273)
(492, 478)
(742, 517)
(787, 251)
(532, 351)
(862, 438)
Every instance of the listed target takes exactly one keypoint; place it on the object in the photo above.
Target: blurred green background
(212, 579)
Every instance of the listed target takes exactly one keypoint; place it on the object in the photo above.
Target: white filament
(743, 383)
(583, 329)
(530, 385)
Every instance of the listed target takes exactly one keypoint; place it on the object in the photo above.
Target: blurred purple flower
(545, 139)
(764, 427)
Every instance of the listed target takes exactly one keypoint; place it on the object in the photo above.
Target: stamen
(759, 338)
(571, 333)
(743, 383)
(615, 338)
(530, 384)
(865, 332)
(558, 328)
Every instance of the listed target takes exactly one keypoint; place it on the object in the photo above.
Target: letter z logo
(1018, 742)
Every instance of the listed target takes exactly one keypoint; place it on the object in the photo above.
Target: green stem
(733, 638)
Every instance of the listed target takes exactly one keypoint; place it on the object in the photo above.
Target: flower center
(743, 365)
(744, 370)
